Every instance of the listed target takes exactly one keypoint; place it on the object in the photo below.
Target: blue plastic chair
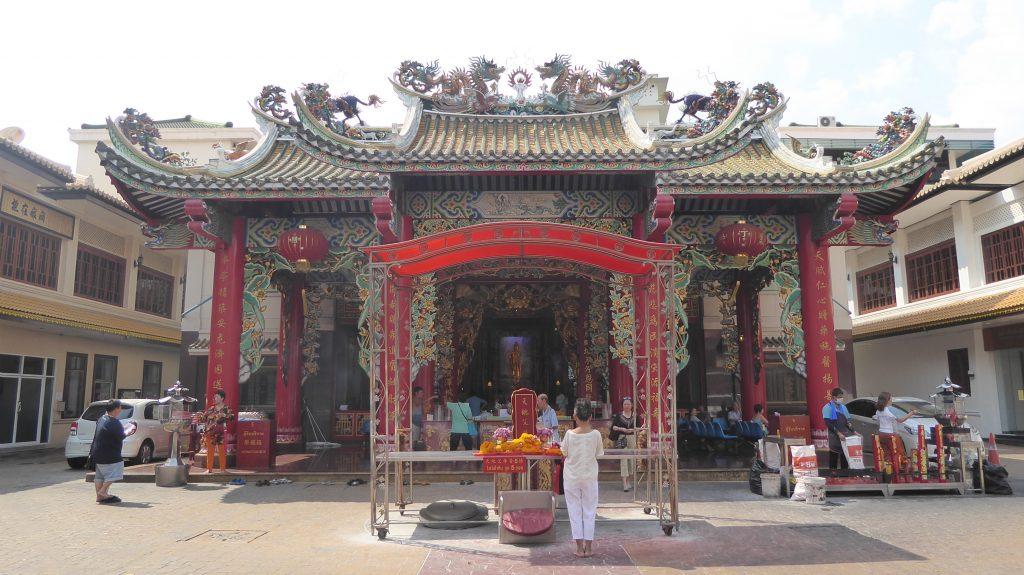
(719, 431)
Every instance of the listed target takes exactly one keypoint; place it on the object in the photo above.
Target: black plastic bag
(756, 470)
(996, 482)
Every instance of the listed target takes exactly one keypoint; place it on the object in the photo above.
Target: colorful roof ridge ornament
(272, 100)
(325, 108)
(764, 98)
(474, 90)
(140, 130)
(897, 126)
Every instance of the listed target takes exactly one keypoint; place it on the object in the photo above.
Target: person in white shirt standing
(887, 421)
(581, 447)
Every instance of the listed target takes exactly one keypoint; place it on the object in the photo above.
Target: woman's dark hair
(582, 411)
(221, 393)
(883, 399)
(758, 408)
(113, 404)
(837, 392)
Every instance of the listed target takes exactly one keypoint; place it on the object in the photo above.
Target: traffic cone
(993, 452)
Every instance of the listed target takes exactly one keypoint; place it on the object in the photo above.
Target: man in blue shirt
(476, 404)
(837, 419)
(548, 419)
(106, 451)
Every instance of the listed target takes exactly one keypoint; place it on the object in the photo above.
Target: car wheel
(76, 462)
(145, 452)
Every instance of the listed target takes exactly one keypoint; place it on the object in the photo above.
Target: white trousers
(581, 500)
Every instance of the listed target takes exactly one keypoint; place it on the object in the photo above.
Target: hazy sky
(65, 63)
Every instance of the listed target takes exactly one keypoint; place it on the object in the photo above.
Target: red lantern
(741, 241)
(302, 246)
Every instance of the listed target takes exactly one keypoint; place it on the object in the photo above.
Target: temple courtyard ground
(51, 524)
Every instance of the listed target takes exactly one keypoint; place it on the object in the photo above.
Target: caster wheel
(382, 533)
(667, 529)
(647, 510)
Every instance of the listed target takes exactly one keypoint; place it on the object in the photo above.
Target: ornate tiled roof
(282, 170)
(767, 167)
(940, 313)
(579, 135)
(52, 311)
(313, 152)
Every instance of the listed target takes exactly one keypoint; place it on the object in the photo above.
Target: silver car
(862, 411)
(148, 442)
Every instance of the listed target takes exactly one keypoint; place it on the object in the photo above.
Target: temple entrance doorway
(517, 352)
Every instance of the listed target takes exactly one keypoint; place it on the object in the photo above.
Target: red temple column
(818, 325)
(226, 322)
(288, 392)
(752, 380)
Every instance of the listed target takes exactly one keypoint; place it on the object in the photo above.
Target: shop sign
(504, 464)
(28, 210)
(1003, 337)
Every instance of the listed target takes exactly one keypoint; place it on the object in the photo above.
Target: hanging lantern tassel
(742, 241)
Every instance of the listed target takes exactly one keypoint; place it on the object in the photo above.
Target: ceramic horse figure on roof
(692, 103)
(348, 106)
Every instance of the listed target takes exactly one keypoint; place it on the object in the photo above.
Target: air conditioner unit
(826, 121)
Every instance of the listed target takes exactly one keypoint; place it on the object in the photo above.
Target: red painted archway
(393, 267)
(521, 239)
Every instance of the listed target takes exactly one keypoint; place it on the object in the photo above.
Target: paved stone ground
(51, 525)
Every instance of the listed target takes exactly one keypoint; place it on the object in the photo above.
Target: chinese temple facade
(558, 237)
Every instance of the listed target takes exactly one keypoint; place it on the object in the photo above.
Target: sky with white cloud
(66, 63)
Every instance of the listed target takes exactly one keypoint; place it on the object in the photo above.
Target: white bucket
(771, 484)
(815, 493)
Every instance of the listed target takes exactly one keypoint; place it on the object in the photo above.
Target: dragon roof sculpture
(474, 90)
(556, 117)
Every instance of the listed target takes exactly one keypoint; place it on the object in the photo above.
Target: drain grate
(228, 535)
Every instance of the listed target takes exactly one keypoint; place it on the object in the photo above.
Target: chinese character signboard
(28, 210)
(524, 412)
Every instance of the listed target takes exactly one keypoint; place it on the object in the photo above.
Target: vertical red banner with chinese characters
(226, 323)
(524, 412)
(818, 325)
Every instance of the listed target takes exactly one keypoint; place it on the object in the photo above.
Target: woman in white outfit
(581, 448)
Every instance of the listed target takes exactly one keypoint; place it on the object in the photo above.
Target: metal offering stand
(175, 415)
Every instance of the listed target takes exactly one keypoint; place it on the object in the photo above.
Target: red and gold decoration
(303, 246)
(742, 241)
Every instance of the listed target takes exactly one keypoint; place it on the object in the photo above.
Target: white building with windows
(945, 300)
(87, 312)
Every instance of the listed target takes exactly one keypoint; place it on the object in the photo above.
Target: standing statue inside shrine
(215, 419)
(515, 362)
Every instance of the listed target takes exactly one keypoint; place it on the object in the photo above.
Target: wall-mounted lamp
(892, 258)
(137, 262)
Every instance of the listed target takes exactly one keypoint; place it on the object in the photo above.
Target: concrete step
(1010, 438)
